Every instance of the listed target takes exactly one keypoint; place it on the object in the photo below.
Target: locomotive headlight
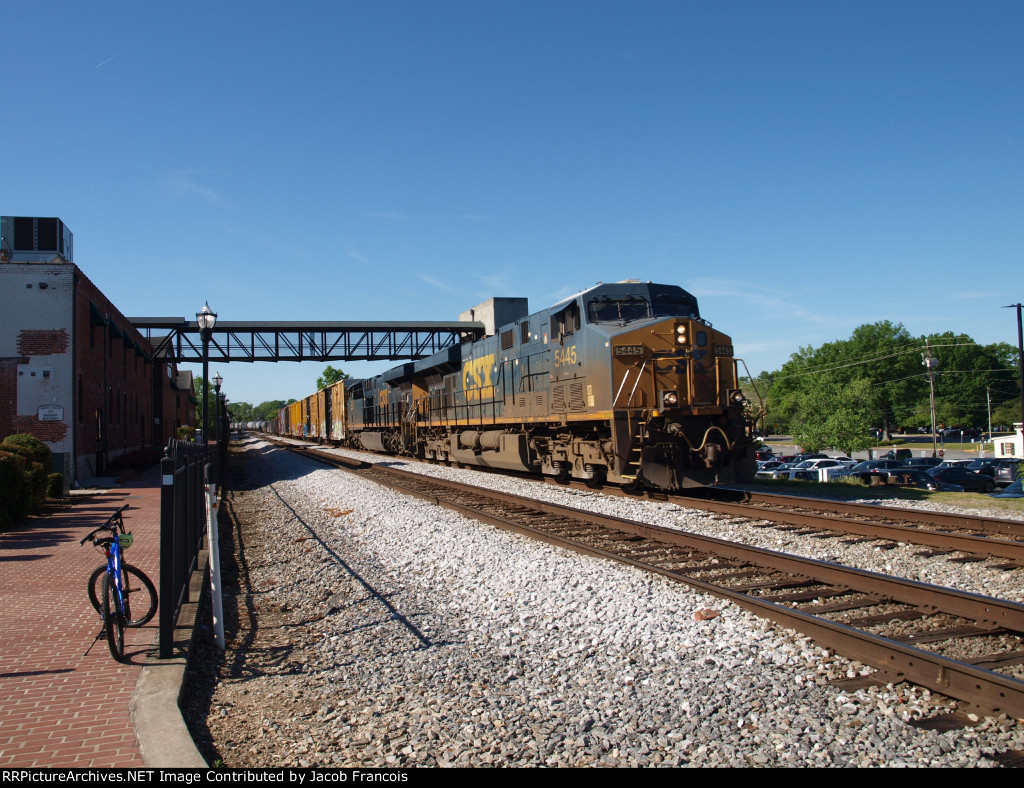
(669, 399)
(681, 335)
(737, 398)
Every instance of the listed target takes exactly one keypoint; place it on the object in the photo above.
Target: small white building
(1012, 446)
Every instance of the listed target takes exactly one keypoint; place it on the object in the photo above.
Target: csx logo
(476, 376)
(564, 357)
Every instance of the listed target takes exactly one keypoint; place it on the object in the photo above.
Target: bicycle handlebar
(110, 525)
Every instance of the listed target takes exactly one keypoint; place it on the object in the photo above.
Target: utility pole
(931, 364)
(1020, 355)
(988, 402)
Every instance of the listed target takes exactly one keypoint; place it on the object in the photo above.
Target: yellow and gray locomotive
(624, 383)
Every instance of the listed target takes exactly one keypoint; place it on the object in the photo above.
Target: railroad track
(966, 646)
(976, 538)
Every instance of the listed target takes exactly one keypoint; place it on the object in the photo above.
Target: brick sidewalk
(61, 706)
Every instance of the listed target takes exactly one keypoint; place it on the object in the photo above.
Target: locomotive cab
(665, 380)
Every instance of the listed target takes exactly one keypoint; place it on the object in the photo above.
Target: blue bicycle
(123, 586)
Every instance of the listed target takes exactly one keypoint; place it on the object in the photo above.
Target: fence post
(167, 576)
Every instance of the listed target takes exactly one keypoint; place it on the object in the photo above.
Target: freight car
(624, 382)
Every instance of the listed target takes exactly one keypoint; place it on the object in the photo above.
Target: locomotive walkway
(65, 701)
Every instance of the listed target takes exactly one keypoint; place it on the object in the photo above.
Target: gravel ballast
(374, 629)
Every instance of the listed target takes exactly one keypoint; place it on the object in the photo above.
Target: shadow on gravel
(205, 660)
(243, 659)
(424, 641)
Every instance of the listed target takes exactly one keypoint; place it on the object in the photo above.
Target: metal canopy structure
(177, 339)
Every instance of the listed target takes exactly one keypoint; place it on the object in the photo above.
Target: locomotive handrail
(622, 385)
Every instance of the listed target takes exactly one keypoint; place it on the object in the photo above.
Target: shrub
(36, 477)
(15, 494)
(24, 471)
(29, 447)
(55, 485)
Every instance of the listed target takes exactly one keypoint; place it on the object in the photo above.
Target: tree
(268, 410)
(833, 414)
(967, 373)
(883, 354)
(199, 387)
(330, 377)
(877, 377)
(240, 411)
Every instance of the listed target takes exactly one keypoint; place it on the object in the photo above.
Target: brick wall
(65, 349)
(35, 342)
(36, 373)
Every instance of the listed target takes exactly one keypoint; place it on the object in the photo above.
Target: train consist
(623, 383)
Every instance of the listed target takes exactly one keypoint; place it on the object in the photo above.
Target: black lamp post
(217, 380)
(1020, 355)
(207, 319)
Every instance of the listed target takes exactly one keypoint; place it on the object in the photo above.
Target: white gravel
(429, 639)
(979, 578)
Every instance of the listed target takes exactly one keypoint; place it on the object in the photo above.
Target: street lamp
(217, 380)
(207, 319)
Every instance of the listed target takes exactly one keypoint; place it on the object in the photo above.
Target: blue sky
(801, 167)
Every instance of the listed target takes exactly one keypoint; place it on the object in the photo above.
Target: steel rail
(967, 543)
(1004, 527)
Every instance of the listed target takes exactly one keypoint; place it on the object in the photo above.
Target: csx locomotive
(623, 383)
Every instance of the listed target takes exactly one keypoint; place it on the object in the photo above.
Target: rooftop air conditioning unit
(27, 239)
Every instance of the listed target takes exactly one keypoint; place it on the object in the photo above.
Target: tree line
(836, 394)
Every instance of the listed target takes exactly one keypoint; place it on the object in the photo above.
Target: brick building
(73, 370)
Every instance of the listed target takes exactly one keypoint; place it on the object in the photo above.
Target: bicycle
(120, 582)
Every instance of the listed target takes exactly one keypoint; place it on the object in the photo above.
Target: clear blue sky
(801, 167)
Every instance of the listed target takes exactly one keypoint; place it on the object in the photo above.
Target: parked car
(899, 454)
(985, 466)
(781, 472)
(873, 466)
(1006, 472)
(913, 477)
(811, 470)
(1015, 490)
(968, 433)
(970, 481)
(923, 463)
(953, 464)
(764, 455)
(810, 456)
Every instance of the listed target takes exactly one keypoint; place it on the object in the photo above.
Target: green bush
(15, 494)
(29, 447)
(36, 478)
(24, 468)
(186, 433)
(55, 485)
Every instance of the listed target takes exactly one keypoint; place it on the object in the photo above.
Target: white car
(817, 470)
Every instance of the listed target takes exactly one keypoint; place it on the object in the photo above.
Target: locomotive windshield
(614, 309)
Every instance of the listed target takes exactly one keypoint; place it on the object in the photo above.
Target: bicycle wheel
(113, 620)
(139, 594)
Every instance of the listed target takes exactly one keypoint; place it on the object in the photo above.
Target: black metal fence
(182, 527)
